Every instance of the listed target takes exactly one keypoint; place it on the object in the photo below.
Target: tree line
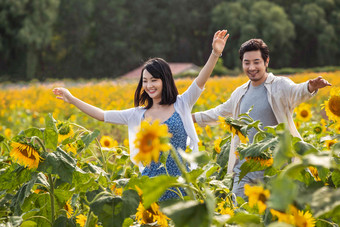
(106, 38)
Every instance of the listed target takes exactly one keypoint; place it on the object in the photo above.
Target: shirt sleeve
(297, 93)
(212, 116)
(118, 116)
(191, 95)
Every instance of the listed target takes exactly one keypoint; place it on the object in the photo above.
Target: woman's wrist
(216, 54)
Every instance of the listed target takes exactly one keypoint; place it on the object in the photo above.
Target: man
(273, 99)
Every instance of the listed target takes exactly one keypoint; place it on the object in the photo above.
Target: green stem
(328, 222)
(183, 171)
(7, 147)
(51, 195)
(40, 142)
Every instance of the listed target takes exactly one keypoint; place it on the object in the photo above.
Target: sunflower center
(330, 144)
(24, 151)
(107, 143)
(262, 198)
(304, 113)
(317, 129)
(147, 217)
(334, 105)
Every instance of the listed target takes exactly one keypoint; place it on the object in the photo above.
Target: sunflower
(198, 129)
(332, 105)
(65, 131)
(303, 112)
(302, 219)
(81, 220)
(117, 191)
(223, 208)
(230, 128)
(151, 140)
(282, 217)
(336, 127)
(107, 141)
(262, 161)
(330, 143)
(71, 148)
(208, 131)
(217, 145)
(151, 215)
(25, 155)
(8, 132)
(68, 209)
(317, 129)
(257, 196)
(315, 173)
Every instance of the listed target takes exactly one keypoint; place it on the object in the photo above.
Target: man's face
(255, 67)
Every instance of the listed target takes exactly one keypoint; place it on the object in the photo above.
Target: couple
(157, 98)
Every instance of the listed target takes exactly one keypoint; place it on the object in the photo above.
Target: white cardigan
(133, 117)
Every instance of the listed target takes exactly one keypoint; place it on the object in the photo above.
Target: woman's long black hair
(158, 68)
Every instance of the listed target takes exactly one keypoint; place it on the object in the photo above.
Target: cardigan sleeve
(191, 95)
(118, 116)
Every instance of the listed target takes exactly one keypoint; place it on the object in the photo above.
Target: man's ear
(267, 62)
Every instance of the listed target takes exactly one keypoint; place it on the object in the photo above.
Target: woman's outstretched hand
(63, 94)
(219, 41)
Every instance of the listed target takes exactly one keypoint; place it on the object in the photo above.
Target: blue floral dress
(178, 141)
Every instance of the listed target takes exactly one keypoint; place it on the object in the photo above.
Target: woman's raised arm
(219, 41)
(64, 94)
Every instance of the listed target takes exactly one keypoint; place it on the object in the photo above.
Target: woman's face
(152, 86)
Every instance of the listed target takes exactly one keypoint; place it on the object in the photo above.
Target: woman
(156, 98)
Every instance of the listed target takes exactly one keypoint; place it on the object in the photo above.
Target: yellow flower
(198, 129)
(150, 141)
(68, 209)
(233, 130)
(217, 145)
(117, 191)
(302, 219)
(8, 132)
(257, 196)
(81, 220)
(25, 155)
(64, 131)
(223, 208)
(126, 143)
(336, 127)
(208, 131)
(330, 143)
(107, 141)
(315, 173)
(295, 217)
(71, 148)
(282, 217)
(303, 112)
(151, 215)
(332, 105)
(263, 162)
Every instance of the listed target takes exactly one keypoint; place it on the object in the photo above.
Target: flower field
(60, 167)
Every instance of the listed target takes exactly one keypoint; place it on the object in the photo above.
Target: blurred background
(41, 39)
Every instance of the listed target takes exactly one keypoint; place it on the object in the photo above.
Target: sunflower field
(60, 167)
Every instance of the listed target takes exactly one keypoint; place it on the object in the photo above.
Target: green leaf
(59, 162)
(283, 152)
(29, 224)
(112, 211)
(283, 191)
(32, 132)
(87, 138)
(63, 221)
(14, 176)
(201, 158)
(223, 156)
(188, 213)
(244, 219)
(336, 177)
(154, 188)
(325, 200)
(323, 159)
(260, 148)
(250, 166)
(43, 202)
(303, 148)
(50, 133)
(22, 194)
